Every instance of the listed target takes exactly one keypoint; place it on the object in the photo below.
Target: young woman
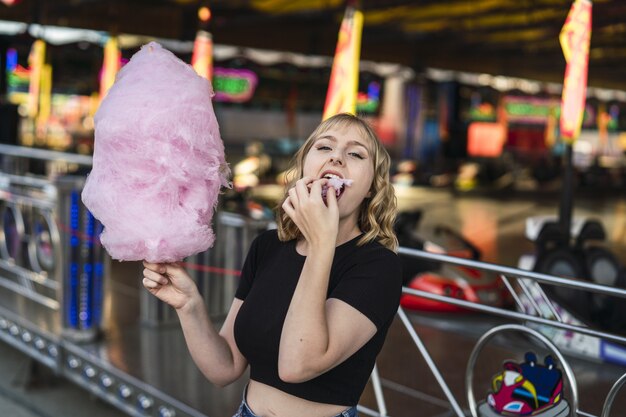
(317, 296)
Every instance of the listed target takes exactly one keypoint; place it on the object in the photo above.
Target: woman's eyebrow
(357, 143)
(352, 142)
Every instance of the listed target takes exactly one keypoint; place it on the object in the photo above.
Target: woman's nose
(336, 160)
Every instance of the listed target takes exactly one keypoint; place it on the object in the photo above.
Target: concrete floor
(28, 389)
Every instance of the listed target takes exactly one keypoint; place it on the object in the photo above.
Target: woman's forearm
(209, 350)
(304, 338)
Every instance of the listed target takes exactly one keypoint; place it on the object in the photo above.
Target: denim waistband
(245, 411)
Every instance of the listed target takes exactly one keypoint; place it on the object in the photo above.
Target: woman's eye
(323, 148)
(356, 155)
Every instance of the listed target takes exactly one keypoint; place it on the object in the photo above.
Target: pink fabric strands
(158, 163)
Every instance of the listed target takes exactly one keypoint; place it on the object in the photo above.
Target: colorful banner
(36, 60)
(45, 97)
(575, 37)
(202, 58)
(344, 77)
(110, 66)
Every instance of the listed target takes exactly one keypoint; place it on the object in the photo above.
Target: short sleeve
(248, 270)
(373, 286)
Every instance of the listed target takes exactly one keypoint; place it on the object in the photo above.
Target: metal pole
(606, 410)
(567, 194)
(378, 391)
(431, 364)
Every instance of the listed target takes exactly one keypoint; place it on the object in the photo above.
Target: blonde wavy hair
(377, 213)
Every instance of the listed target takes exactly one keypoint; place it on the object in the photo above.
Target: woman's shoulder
(373, 254)
(267, 237)
(375, 248)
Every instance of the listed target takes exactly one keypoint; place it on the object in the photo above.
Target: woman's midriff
(266, 401)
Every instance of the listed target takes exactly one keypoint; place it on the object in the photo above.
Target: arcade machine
(65, 304)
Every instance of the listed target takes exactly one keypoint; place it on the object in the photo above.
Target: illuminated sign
(485, 139)
(529, 110)
(234, 85)
(17, 75)
(484, 112)
(370, 101)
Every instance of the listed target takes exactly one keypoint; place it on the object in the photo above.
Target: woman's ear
(369, 194)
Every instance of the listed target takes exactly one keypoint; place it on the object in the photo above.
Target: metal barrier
(523, 278)
(215, 271)
(49, 251)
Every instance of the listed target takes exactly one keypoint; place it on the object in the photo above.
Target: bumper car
(583, 257)
(449, 280)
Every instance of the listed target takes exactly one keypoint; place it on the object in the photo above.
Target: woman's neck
(348, 230)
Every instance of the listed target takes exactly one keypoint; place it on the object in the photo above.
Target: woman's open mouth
(338, 183)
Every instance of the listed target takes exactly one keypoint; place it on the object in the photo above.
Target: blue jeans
(244, 409)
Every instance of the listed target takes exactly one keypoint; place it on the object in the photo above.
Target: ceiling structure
(501, 37)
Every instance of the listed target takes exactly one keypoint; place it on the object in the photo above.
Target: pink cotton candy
(337, 184)
(158, 163)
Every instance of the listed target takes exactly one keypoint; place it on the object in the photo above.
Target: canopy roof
(507, 37)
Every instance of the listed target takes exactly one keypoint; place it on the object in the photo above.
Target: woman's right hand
(170, 283)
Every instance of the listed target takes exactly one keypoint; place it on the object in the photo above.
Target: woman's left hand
(317, 220)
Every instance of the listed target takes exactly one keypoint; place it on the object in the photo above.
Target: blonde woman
(317, 296)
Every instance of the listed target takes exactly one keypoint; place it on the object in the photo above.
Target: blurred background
(466, 96)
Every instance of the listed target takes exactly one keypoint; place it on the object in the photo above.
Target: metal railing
(527, 282)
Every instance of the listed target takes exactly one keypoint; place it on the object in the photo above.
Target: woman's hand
(170, 283)
(317, 220)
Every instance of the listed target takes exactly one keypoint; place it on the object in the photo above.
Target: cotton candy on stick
(158, 162)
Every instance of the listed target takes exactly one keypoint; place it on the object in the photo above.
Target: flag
(110, 66)
(344, 77)
(574, 38)
(36, 60)
(202, 58)
(45, 97)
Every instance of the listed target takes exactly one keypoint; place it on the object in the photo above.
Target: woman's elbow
(294, 373)
(223, 383)
(223, 380)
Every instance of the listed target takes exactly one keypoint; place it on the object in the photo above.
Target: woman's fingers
(289, 209)
(316, 189)
(156, 267)
(293, 196)
(331, 197)
(155, 276)
(302, 190)
(149, 284)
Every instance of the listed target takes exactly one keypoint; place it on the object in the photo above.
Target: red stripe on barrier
(206, 268)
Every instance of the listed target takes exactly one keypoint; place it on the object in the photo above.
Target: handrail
(555, 320)
(45, 154)
(518, 273)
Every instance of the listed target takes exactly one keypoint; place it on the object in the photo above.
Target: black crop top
(368, 278)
